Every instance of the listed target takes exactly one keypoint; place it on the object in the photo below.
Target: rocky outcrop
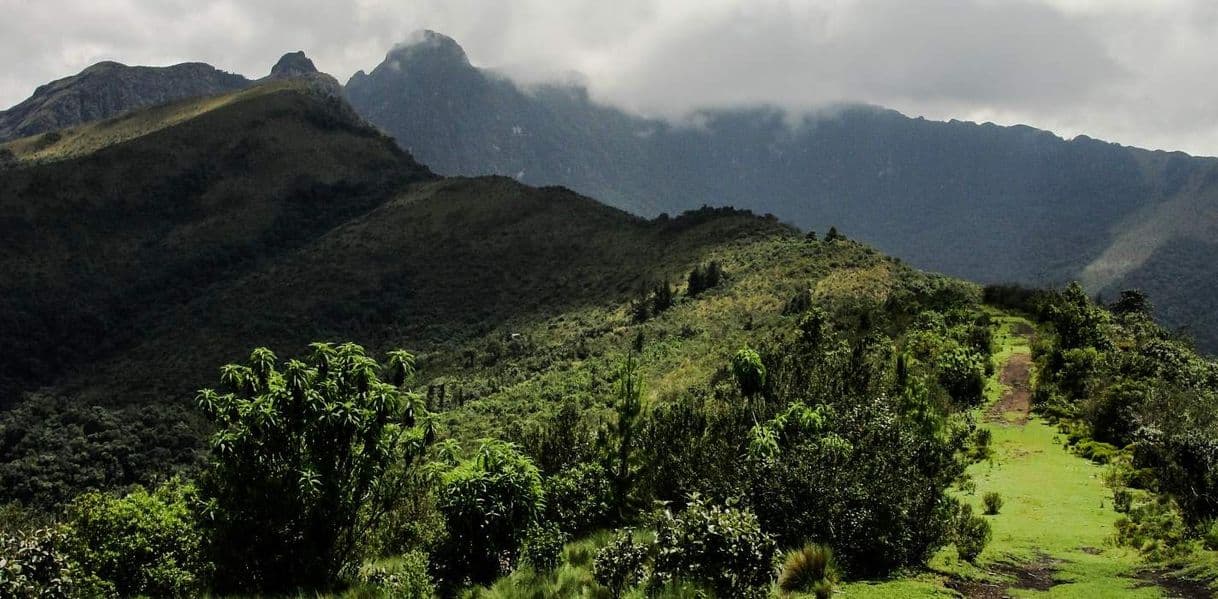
(108, 89)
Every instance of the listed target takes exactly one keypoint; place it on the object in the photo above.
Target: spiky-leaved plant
(809, 569)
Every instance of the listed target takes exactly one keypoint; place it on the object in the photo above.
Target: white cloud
(1133, 71)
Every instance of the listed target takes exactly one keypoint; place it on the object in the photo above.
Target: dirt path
(1016, 400)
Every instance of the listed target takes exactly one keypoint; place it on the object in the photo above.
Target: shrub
(867, 483)
(298, 458)
(34, 565)
(1096, 451)
(992, 502)
(1113, 412)
(972, 533)
(542, 547)
(962, 375)
(1210, 536)
(1155, 529)
(143, 543)
(982, 440)
(621, 564)
(579, 499)
(809, 569)
(750, 372)
(489, 502)
(1122, 500)
(723, 547)
(403, 577)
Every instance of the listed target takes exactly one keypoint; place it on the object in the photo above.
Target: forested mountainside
(987, 203)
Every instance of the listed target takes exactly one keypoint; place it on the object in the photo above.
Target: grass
(1056, 508)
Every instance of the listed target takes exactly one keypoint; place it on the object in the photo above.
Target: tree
(661, 298)
(696, 281)
(299, 459)
(1132, 301)
(714, 274)
(629, 409)
(832, 235)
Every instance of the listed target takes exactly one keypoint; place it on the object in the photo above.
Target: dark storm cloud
(1135, 71)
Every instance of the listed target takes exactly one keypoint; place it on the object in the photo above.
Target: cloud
(1133, 71)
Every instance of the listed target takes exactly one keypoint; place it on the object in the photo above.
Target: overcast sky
(1140, 72)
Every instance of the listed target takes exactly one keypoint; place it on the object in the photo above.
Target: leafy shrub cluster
(716, 547)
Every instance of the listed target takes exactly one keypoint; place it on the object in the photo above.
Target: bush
(489, 502)
(962, 375)
(621, 564)
(723, 547)
(1210, 536)
(404, 577)
(992, 502)
(143, 543)
(972, 533)
(750, 372)
(1155, 529)
(1096, 451)
(1122, 500)
(580, 499)
(868, 483)
(33, 565)
(542, 547)
(809, 569)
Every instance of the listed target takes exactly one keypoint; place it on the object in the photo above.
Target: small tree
(661, 298)
(299, 459)
(750, 372)
(696, 281)
(832, 235)
(629, 408)
(490, 502)
(714, 274)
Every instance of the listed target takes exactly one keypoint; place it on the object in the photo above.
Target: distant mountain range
(983, 202)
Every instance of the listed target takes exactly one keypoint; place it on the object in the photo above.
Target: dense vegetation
(330, 471)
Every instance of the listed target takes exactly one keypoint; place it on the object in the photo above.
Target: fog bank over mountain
(1132, 72)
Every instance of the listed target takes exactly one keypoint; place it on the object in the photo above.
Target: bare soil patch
(1036, 576)
(1017, 397)
(1174, 587)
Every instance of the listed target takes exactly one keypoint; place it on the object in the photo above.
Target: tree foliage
(299, 459)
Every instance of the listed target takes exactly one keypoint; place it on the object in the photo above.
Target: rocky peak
(428, 47)
(293, 64)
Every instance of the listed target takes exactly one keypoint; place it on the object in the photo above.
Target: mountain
(109, 89)
(139, 253)
(983, 202)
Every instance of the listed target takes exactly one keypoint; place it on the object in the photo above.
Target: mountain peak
(293, 64)
(427, 45)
